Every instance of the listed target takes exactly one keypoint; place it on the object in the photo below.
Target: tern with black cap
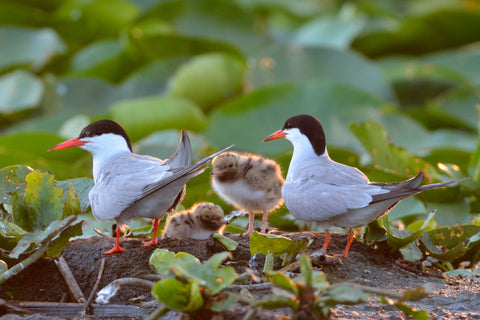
(333, 194)
(129, 185)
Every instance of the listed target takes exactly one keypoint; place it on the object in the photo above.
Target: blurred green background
(396, 84)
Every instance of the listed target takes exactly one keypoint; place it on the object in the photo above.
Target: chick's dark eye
(230, 165)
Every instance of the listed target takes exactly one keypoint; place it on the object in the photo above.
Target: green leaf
(11, 178)
(306, 269)
(72, 203)
(374, 138)
(277, 301)
(178, 296)
(19, 91)
(43, 198)
(82, 187)
(268, 265)
(161, 260)
(10, 234)
(225, 78)
(31, 47)
(398, 239)
(140, 117)
(3, 266)
(338, 105)
(289, 63)
(227, 302)
(55, 248)
(283, 281)
(229, 244)
(277, 245)
(345, 294)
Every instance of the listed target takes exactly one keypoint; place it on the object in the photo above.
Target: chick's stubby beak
(74, 142)
(276, 135)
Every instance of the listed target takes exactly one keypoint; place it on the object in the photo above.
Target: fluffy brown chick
(249, 182)
(199, 222)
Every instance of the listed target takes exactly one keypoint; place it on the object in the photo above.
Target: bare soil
(450, 298)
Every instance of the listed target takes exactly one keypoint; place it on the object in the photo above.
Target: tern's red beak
(75, 142)
(276, 135)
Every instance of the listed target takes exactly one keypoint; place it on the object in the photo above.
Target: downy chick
(249, 182)
(199, 222)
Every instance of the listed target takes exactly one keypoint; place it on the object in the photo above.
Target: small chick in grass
(249, 182)
(199, 222)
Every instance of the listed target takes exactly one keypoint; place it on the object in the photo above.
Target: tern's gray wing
(183, 156)
(322, 189)
(180, 174)
(122, 182)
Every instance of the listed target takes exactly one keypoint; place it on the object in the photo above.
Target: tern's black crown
(310, 127)
(100, 127)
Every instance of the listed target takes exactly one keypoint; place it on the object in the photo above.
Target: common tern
(333, 194)
(199, 222)
(249, 182)
(129, 185)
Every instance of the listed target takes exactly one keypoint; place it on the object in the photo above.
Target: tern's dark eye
(230, 165)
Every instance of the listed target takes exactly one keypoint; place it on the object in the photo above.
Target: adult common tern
(129, 185)
(249, 182)
(199, 222)
(333, 194)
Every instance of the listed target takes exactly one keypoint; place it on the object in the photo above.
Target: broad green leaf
(398, 239)
(177, 295)
(387, 156)
(331, 31)
(31, 47)
(472, 274)
(19, 91)
(104, 59)
(82, 187)
(266, 110)
(72, 202)
(225, 78)
(11, 178)
(283, 281)
(345, 294)
(43, 198)
(287, 63)
(10, 234)
(161, 260)
(160, 46)
(409, 311)
(277, 245)
(18, 13)
(84, 21)
(39, 236)
(268, 264)
(140, 117)
(222, 21)
(229, 244)
(418, 34)
(462, 62)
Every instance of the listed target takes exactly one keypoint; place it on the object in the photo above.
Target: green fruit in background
(208, 79)
(141, 117)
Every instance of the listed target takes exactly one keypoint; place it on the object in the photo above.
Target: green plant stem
(19, 267)
(157, 313)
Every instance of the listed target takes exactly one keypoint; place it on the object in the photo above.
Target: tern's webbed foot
(149, 243)
(116, 248)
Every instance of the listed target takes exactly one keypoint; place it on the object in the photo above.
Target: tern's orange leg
(116, 247)
(328, 238)
(154, 239)
(347, 247)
